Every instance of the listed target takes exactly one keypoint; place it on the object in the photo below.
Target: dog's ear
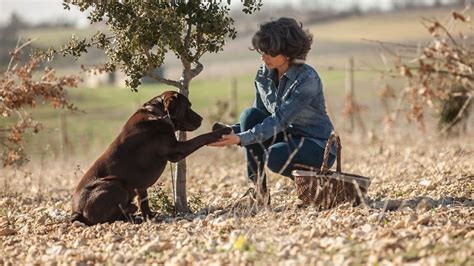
(170, 102)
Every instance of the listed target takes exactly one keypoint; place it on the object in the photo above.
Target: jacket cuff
(246, 138)
(235, 128)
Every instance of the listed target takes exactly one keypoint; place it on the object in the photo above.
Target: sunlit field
(419, 209)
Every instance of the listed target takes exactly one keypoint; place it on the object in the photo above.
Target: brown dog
(136, 159)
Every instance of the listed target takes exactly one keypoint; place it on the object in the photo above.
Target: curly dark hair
(284, 36)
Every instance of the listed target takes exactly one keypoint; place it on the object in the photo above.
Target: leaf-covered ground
(419, 210)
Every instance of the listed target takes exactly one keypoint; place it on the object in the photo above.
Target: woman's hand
(226, 140)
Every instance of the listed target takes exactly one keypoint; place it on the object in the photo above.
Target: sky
(36, 11)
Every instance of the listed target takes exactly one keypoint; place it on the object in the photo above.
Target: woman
(288, 123)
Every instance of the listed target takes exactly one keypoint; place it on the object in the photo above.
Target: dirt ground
(419, 210)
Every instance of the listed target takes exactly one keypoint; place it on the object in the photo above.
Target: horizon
(43, 11)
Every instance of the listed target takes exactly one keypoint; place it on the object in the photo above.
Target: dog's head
(178, 107)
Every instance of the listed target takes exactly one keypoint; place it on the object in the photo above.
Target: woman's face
(272, 62)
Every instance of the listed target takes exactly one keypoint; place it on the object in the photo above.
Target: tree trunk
(180, 197)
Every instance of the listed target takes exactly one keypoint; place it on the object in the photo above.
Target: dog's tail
(80, 218)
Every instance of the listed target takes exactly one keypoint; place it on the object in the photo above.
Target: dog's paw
(219, 125)
(223, 131)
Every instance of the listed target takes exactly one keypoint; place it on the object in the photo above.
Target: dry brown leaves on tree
(21, 87)
(439, 77)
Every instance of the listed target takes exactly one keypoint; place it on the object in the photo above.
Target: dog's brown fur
(136, 158)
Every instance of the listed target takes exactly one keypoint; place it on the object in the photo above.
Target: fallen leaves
(402, 221)
(7, 231)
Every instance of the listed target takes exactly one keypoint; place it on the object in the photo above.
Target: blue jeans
(275, 152)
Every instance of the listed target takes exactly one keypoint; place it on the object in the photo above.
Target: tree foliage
(143, 32)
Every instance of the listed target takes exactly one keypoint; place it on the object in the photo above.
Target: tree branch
(164, 80)
(158, 78)
(18, 48)
(192, 71)
(438, 25)
(186, 75)
(392, 43)
(437, 71)
(470, 77)
(199, 51)
(459, 115)
(197, 69)
(187, 38)
(107, 38)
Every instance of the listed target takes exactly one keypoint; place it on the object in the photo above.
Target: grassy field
(403, 27)
(103, 111)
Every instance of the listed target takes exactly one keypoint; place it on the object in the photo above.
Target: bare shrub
(438, 77)
(22, 87)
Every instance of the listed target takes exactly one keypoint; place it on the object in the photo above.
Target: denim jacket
(297, 107)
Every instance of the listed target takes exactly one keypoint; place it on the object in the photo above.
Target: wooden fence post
(352, 109)
(63, 137)
(233, 100)
(350, 91)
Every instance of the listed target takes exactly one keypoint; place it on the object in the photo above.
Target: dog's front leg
(142, 196)
(182, 149)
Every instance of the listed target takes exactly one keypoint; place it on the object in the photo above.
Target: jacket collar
(291, 74)
(293, 71)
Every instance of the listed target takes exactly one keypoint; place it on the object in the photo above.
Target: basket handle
(324, 166)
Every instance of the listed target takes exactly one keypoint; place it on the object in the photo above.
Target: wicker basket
(326, 189)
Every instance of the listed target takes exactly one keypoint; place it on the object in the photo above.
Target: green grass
(103, 111)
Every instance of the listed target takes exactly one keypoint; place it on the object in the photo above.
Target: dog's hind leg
(109, 201)
(143, 204)
(80, 218)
